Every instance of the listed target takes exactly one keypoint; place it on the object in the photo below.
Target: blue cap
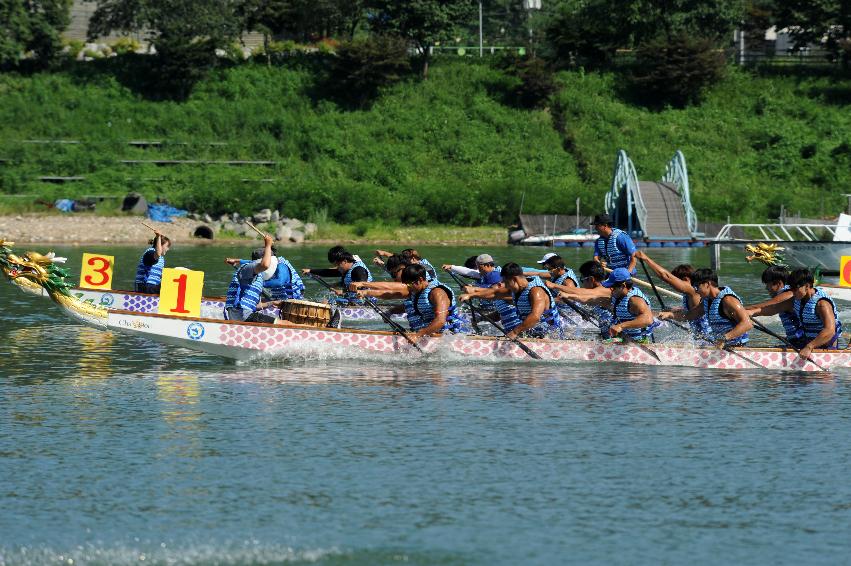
(491, 278)
(619, 275)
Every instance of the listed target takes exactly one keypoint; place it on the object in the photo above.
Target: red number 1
(181, 295)
(103, 271)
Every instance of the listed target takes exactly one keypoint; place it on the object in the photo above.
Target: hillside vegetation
(446, 150)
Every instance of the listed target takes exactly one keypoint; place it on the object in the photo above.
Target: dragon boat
(245, 341)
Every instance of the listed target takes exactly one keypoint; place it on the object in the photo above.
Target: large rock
(309, 229)
(229, 227)
(224, 218)
(241, 229)
(297, 237)
(275, 216)
(294, 223)
(207, 218)
(263, 216)
(283, 233)
(235, 216)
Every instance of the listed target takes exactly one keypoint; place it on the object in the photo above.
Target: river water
(114, 450)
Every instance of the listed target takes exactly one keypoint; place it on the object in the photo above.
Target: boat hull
(244, 341)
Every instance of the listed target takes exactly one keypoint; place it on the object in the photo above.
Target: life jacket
(279, 288)
(152, 275)
(811, 324)
(620, 308)
(604, 317)
(718, 321)
(791, 322)
(607, 248)
(699, 326)
(244, 295)
(423, 307)
(550, 319)
(349, 296)
(414, 319)
(568, 274)
(431, 272)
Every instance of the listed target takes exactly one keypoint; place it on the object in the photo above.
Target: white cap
(547, 257)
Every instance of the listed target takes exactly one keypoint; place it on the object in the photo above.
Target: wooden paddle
(390, 322)
(652, 284)
(256, 229)
(761, 327)
(149, 227)
(529, 351)
(649, 286)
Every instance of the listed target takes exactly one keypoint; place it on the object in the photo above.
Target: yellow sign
(96, 272)
(180, 292)
(845, 271)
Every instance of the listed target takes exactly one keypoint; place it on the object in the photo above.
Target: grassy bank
(445, 151)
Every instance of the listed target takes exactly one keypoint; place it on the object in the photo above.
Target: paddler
(632, 315)
(150, 269)
(281, 281)
(433, 303)
(246, 288)
(488, 275)
(681, 280)
(535, 304)
(728, 321)
(556, 274)
(614, 248)
(817, 312)
(412, 255)
(349, 268)
(394, 265)
(775, 279)
(593, 294)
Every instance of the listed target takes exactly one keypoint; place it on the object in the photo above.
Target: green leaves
(31, 25)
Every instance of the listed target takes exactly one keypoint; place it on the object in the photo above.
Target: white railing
(625, 177)
(782, 232)
(677, 173)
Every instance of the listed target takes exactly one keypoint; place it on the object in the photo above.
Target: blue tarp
(164, 212)
(64, 204)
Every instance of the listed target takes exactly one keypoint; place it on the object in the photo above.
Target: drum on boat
(306, 312)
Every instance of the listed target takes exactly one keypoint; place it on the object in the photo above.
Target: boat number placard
(845, 271)
(96, 272)
(180, 292)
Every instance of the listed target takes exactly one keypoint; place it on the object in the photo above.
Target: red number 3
(102, 270)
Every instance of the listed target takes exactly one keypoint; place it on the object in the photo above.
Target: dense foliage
(446, 150)
(31, 26)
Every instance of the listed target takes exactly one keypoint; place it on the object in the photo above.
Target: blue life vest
(718, 322)
(607, 248)
(550, 319)
(791, 322)
(811, 324)
(568, 274)
(507, 314)
(487, 303)
(414, 319)
(605, 320)
(620, 307)
(244, 295)
(279, 288)
(699, 326)
(152, 275)
(423, 307)
(350, 297)
(431, 272)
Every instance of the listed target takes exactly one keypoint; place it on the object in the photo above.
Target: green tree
(363, 66)
(423, 22)
(814, 21)
(32, 25)
(185, 34)
(304, 19)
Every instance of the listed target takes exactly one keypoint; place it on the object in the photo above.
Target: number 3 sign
(180, 292)
(97, 272)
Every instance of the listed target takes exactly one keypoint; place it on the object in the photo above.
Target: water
(114, 450)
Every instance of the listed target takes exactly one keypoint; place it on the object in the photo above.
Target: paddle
(587, 315)
(529, 351)
(652, 284)
(763, 328)
(255, 228)
(149, 227)
(474, 312)
(390, 322)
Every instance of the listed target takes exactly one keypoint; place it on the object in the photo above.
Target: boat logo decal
(195, 331)
(107, 299)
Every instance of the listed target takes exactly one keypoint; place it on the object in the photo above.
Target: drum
(306, 312)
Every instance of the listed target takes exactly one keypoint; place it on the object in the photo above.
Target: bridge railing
(626, 179)
(676, 173)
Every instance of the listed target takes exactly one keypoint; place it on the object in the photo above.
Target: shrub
(125, 45)
(363, 66)
(675, 72)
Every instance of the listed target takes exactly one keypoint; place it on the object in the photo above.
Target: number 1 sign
(180, 292)
(96, 272)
